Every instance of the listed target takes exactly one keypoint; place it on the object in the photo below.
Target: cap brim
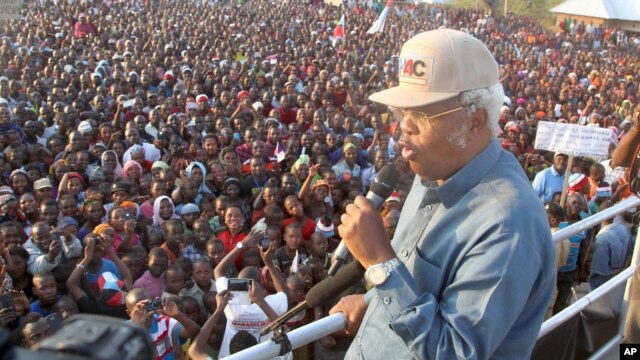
(405, 98)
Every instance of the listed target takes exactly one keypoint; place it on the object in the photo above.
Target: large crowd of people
(155, 150)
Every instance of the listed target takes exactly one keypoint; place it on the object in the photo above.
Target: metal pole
(596, 219)
(298, 337)
(582, 303)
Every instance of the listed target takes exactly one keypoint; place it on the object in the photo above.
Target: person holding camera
(168, 327)
(263, 308)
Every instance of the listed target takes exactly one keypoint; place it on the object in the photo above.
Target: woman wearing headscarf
(231, 162)
(198, 172)
(19, 180)
(157, 168)
(132, 171)
(110, 159)
(163, 210)
(347, 168)
(300, 169)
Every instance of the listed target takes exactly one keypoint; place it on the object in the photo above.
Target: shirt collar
(470, 175)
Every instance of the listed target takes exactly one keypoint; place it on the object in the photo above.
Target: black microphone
(321, 293)
(381, 187)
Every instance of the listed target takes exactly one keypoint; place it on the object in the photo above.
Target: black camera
(154, 305)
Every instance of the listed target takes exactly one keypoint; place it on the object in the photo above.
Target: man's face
(45, 289)
(560, 163)
(211, 146)
(381, 159)
(49, 214)
(202, 231)
(133, 137)
(157, 265)
(215, 253)
(174, 281)
(202, 274)
(426, 142)
(270, 195)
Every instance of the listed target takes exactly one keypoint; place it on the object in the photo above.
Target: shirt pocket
(427, 276)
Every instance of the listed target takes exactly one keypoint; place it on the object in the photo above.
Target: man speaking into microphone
(470, 270)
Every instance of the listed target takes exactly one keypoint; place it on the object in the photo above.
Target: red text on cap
(415, 69)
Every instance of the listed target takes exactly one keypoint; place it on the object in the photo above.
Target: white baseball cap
(438, 65)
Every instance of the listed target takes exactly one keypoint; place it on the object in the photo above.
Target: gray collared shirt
(477, 269)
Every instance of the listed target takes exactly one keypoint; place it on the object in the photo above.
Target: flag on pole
(279, 152)
(338, 32)
(378, 25)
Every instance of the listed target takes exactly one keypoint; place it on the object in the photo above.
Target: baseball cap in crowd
(67, 221)
(84, 127)
(325, 226)
(514, 127)
(395, 196)
(202, 98)
(120, 186)
(42, 184)
(438, 65)
(97, 175)
(257, 106)
(244, 94)
(169, 75)
(577, 182)
(321, 182)
(111, 289)
(273, 121)
(189, 208)
(7, 198)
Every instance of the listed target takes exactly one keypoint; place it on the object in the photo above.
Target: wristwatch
(377, 274)
(240, 245)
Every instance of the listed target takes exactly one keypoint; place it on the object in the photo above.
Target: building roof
(604, 9)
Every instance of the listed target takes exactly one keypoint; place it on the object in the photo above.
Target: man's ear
(479, 120)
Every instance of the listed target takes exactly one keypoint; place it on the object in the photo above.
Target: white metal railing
(610, 285)
(330, 324)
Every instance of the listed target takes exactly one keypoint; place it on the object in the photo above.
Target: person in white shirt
(263, 309)
(45, 252)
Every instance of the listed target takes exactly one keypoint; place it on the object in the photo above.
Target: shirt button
(428, 207)
(405, 253)
(386, 300)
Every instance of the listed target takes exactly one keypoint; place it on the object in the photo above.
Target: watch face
(376, 275)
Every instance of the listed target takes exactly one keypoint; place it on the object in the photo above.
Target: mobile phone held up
(264, 243)
(6, 301)
(239, 290)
